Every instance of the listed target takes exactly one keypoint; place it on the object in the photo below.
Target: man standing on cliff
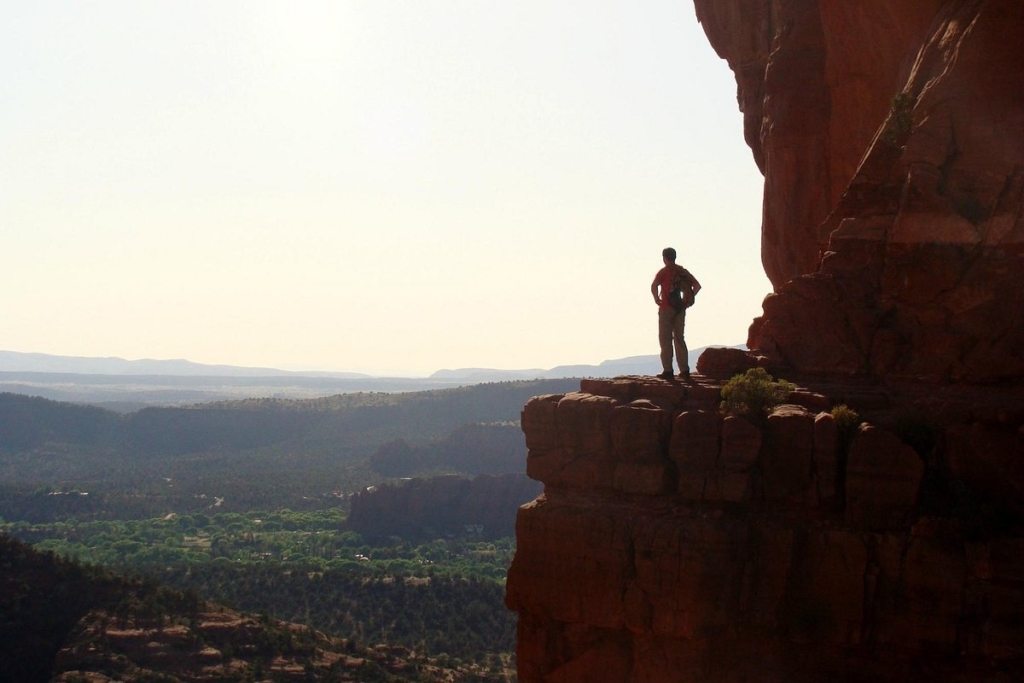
(674, 289)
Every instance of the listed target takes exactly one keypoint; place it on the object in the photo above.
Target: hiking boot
(665, 375)
(685, 376)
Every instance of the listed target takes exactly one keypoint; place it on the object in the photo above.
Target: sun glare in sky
(383, 186)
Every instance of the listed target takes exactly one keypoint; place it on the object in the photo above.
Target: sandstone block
(546, 465)
(728, 487)
(767, 564)
(826, 457)
(883, 478)
(789, 453)
(640, 432)
(538, 422)
(572, 563)
(933, 585)
(594, 472)
(686, 566)
(704, 396)
(826, 598)
(606, 659)
(628, 389)
(812, 401)
(583, 423)
(724, 363)
(533, 633)
(690, 486)
(645, 478)
(695, 441)
(741, 445)
(638, 609)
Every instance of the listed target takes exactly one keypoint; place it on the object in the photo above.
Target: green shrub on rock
(754, 394)
(847, 422)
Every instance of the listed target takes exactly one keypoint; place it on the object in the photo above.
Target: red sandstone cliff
(675, 544)
(891, 137)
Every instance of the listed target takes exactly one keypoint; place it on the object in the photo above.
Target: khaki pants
(670, 334)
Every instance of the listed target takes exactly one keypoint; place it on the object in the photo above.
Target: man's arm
(654, 291)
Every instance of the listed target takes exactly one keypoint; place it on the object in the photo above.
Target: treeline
(28, 422)
(347, 420)
(59, 619)
(265, 453)
(312, 541)
(462, 617)
(434, 596)
(470, 449)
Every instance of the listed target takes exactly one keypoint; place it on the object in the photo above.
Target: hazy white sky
(386, 186)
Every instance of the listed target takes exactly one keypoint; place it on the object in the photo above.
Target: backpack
(681, 297)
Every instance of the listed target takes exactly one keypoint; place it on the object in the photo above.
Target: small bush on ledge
(847, 422)
(753, 394)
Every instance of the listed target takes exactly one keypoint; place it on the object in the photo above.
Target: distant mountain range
(632, 365)
(13, 361)
(127, 385)
(17, 362)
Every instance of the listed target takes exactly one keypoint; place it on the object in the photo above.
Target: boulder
(883, 479)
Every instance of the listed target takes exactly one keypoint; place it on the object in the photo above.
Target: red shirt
(666, 278)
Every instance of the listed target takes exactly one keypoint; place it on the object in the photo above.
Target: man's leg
(666, 317)
(682, 353)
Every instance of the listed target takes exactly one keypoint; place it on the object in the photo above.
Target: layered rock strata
(891, 137)
(673, 543)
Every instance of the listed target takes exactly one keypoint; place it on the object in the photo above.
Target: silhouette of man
(674, 289)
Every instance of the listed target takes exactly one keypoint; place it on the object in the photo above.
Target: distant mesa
(631, 365)
(15, 361)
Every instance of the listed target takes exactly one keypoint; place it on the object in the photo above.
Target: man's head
(669, 254)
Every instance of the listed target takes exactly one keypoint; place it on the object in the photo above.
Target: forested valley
(246, 503)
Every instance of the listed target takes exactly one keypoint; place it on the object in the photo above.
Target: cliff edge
(674, 543)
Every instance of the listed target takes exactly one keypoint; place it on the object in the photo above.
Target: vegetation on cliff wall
(753, 394)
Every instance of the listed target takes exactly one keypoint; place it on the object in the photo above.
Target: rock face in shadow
(673, 543)
(891, 137)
